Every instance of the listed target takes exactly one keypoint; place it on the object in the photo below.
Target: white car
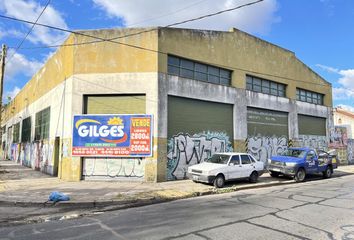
(222, 167)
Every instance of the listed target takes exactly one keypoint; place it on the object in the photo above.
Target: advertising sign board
(112, 135)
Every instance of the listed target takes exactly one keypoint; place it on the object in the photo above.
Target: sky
(319, 32)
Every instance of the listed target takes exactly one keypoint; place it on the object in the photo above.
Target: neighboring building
(344, 118)
(342, 136)
(207, 91)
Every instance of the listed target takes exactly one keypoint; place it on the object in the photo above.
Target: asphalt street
(320, 209)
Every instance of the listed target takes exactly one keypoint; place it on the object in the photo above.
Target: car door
(311, 162)
(235, 167)
(247, 166)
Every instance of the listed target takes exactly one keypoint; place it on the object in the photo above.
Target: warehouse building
(196, 93)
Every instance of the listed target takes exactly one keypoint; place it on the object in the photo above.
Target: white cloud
(342, 93)
(346, 107)
(10, 33)
(30, 10)
(20, 64)
(11, 94)
(347, 79)
(257, 18)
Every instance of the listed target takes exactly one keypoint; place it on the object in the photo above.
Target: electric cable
(28, 33)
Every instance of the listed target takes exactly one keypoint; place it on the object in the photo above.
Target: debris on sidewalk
(58, 197)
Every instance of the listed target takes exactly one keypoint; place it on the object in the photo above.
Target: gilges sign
(112, 135)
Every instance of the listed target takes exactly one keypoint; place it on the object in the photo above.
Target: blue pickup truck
(297, 162)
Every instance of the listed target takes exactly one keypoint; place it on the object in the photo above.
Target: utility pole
(2, 71)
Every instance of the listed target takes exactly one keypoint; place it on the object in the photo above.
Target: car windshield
(294, 153)
(218, 158)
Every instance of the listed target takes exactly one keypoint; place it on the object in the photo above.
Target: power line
(100, 39)
(73, 32)
(168, 14)
(214, 14)
(124, 36)
(34, 24)
(195, 19)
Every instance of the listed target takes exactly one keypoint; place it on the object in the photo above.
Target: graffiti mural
(184, 150)
(263, 147)
(313, 141)
(114, 167)
(26, 154)
(338, 137)
(36, 155)
(15, 152)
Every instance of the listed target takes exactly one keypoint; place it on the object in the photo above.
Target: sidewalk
(24, 187)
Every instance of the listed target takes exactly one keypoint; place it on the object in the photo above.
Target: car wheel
(219, 181)
(274, 174)
(328, 172)
(254, 177)
(300, 175)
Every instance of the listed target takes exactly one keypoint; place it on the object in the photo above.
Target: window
(265, 86)
(26, 130)
(198, 71)
(310, 155)
(235, 160)
(309, 96)
(42, 124)
(252, 159)
(16, 133)
(245, 159)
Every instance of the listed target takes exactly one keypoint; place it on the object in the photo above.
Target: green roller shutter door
(266, 122)
(196, 130)
(118, 104)
(309, 125)
(195, 116)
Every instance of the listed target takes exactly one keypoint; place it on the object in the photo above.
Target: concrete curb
(136, 202)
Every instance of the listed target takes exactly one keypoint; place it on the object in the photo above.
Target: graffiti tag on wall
(184, 150)
(312, 141)
(114, 167)
(263, 147)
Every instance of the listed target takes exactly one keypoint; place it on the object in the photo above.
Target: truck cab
(298, 162)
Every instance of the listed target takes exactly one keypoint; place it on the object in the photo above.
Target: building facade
(208, 91)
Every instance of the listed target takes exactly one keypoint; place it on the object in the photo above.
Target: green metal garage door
(309, 125)
(267, 133)
(196, 130)
(312, 132)
(114, 104)
(266, 122)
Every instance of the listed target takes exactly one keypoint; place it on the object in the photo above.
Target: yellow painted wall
(134, 53)
(242, 53)
(69, 167)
